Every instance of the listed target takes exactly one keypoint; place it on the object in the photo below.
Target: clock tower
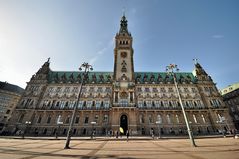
(123, 54)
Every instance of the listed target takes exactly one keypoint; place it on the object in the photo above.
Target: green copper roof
(156, 77)
(107, 77)
(73, 76)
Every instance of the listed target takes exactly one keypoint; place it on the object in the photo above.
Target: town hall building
(124, 98)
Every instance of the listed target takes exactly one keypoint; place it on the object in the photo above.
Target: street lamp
(171, 71)
(92, 133)
(86, 70)
(25, 131)
(159, 122)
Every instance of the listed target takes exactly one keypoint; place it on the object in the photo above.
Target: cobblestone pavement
(210, 148)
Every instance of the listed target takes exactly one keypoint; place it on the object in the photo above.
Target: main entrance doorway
(124, 123)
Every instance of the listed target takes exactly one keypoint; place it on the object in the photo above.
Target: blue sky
(74, 31)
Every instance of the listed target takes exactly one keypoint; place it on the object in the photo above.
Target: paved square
(218, 148)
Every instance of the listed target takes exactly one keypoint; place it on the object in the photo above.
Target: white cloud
(92, 60)
(217, 36)
(101, 52)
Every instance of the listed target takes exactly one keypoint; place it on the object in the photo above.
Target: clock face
(124, 54)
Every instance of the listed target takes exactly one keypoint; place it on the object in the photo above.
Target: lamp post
(86, 68)
(171, 71)
(159, 122)
(25, 131)
(92, 132)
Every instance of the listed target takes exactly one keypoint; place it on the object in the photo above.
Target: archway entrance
(124, 123)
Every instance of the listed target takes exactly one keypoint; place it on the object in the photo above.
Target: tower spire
(123, 25)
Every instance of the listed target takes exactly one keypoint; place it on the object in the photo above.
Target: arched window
(141, 119)
(150, 118)
(39, 119)
(49, 119)
(159, 118)
(194, 118)
(177, 119)
(168, 119)
(21, 118)
(203, 119)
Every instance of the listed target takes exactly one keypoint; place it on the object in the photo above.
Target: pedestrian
(127, 134)
(152, 133)
(234, 133)
(117, 134)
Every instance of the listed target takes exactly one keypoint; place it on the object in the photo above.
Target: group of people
(119, 133)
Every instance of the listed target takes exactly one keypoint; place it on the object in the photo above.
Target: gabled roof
(11, 88)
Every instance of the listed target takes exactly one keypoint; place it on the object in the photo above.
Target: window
(99, 90)
(75, 90)
(170, 89)
(177, 119)
(157, 103)
(140, 104)
(39, 119)
(89, 104)
(67, 90)
(139, 89)
(58, 120)
(124, 102)
(107, 104)
(203, 119)
(81, 103)
(116, 97)
(58, 90)
(107, 90)
(84, 90)
(50, 90)
(194, 90)
(159, 118)
(97, 104)
(165, 103)
(147, 89)
(105, 118)
(68, 119)
(71, 104)
(155, 90)
(91, 89)
(21, 118)
(162, 90)
(96, 118)
(150, 118)
(141, 119)
(186, 90)
(48, 120)
(149, 103)
(206, 89)
(86, 120)
(194, 118)
(77, 119)
(168, 119)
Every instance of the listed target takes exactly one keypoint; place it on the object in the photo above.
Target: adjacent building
(9, 97)
(123, 98)
(231, 98)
